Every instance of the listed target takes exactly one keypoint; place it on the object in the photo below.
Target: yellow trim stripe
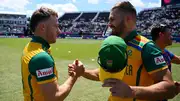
(47, 81)
(158, 70)
(142, 39)
(135, 44)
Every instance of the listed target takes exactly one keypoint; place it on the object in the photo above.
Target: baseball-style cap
(112, 58)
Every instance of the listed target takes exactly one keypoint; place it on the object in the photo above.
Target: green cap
(112, 55)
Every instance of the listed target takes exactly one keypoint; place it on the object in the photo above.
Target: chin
(53, 41)
(170, 44)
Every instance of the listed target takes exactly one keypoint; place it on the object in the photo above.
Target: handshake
(76, 69)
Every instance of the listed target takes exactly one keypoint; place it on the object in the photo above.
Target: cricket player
(147, 77)
(161, 35)
(38, 68)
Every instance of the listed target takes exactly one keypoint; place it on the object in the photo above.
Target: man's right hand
(177, 84)
(76, 69)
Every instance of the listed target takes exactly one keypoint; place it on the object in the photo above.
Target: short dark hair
(157, 29)
(39, 15)
(126, 7)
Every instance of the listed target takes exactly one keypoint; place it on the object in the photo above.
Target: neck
(123, 35)
(40, 34)
(160, 44)
(127, 32)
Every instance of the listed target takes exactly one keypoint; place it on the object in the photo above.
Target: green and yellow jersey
(144, 58)
(37, 67)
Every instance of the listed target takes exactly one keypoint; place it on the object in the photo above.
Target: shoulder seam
(34, 54)
(138, 43)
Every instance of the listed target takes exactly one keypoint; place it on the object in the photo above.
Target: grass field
(84, 50)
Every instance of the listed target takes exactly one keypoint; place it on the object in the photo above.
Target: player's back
(30, 86)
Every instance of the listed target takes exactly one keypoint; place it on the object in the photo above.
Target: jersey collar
(131, 36)
(40, 40)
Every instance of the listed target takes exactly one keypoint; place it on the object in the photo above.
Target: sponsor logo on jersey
(44, 72)
(159, 60)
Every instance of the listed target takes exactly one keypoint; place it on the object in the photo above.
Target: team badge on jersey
(109, 62)
(159, 60)
(129, 52)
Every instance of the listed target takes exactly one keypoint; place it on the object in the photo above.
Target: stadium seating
(84, 22)
(66, 21)
(96, 22)
(150, 17)
(13, 23)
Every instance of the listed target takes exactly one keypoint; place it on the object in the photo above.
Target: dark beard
(120, 30)
(115, 33)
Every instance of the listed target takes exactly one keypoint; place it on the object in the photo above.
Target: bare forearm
(159, 91)
(176, 60)
(65, 88)
(92, 74)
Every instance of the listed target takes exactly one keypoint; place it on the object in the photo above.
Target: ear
(161, 34)
(128, 18)
(42, 26)
(128, 21)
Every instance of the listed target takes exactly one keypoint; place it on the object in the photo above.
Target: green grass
(84, 50)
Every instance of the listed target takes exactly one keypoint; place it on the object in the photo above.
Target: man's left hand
(119, 88)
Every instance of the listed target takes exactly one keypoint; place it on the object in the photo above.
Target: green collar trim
(40, 40)
(131, 36)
